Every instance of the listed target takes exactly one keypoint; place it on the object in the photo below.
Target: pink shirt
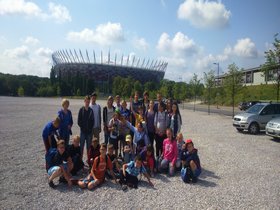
(170, 150)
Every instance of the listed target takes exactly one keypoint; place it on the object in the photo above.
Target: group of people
(128, 147)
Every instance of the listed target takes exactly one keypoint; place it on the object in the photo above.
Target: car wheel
(239, 129)
(254, 128)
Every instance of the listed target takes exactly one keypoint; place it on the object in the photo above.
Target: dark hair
(103, 145)
(149, 148)
(177, 110)
(94, 94)
(138, 157)
(162, 104)
(146, 93)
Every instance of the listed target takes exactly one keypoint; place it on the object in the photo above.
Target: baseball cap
(188, 141)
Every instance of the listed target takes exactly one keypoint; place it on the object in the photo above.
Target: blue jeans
(85, 138)
(167, 164)
(106, 138)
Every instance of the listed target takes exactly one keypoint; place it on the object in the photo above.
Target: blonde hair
(60, 142)
(65, 101)
(56, 121)
(77, 138)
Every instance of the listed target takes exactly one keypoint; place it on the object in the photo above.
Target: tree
(271, 68)
(20, 91)
(195, 87)
(209, 82)
(233, 83)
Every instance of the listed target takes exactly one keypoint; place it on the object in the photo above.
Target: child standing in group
(59, 163)
(190, 159)
(97, 173)
(49, 132)
(113, 128)
(161, 123)
(149, 119)
(94, 151)
(130, 172)
(180, 143)
(141, 139)
(149, 160)
(175, 119)
(108, 112)
(85, 122)
(74, 151)
(170, 152)
(66, 122)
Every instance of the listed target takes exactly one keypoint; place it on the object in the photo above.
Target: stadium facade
(103, 69)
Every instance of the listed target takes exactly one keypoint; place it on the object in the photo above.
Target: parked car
(272, 128)
(256, 117)
(245, 105)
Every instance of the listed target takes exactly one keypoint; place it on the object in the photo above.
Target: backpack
(186, 174)
(98, 161)
(49, 156)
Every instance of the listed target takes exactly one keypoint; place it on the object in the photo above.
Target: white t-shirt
(96, 113)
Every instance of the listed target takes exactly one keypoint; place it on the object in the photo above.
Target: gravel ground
(240, 171)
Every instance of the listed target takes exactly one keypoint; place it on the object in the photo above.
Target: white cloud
(244, 48)
(31, 41)
(180, 44)
(105, 34)
(141, 44)
(204, 14)
(19, 52)
(45, 52)
(28, 8)
(58, 13)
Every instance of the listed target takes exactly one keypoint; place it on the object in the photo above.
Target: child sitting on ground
(94, 151)
(149, 160)
(127, 151)
(97, 173)
(59, 163)
(74, 151)
(113, 158)
(170, 153)
(190, 159)
(130, 172)
(180, 143)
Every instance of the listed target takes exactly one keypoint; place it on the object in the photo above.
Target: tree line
(208, 89)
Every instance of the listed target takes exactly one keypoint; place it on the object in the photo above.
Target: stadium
(103, 69)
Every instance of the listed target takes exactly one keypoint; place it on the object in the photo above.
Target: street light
(218, 81)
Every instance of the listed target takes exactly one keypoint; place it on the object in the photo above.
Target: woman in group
(175, 119)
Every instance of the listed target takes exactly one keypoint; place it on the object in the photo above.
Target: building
(101, 71)
(254, 76)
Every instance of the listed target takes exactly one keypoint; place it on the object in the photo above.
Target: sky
(191, 35)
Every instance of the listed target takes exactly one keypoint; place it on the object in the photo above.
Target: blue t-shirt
(133, 170)
(48, 130)
(65, 121)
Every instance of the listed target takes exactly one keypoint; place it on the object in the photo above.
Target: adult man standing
(97, 115)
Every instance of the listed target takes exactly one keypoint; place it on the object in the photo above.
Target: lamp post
(218, 81)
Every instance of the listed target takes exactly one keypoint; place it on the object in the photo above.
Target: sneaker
(194, 179)
(124, 187)
(51, 184)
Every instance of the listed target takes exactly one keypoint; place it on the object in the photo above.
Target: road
(224, 110)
